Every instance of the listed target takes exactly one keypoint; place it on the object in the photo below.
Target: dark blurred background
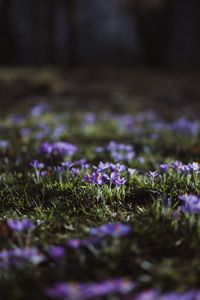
(123, 55)
(100, 32)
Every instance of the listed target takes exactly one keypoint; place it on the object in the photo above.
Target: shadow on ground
(171, 92)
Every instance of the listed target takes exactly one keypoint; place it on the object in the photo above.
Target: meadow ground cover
(99, 206)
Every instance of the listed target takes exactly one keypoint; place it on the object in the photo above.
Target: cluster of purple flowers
(81, 291)
(107, 173)
(118, 152)
(20, 225)
(38, 168)
(116, 230)
(154, 294)
(20, 257)
(181, 126)
(110, 166)
(179, 167)
(74, 167)
(186, 126)
(36, 164)
(42, 131)
(142, 122)
(124, 123)
(99, 179)
(57, 149)
(148, 119)
(191, 203)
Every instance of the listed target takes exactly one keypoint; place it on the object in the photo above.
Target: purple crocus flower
(111, 177)
(120, 152)
(82, 291)
(25, 132)
(38, 109)
(58, 148)
(125, 122)
(153, 294)
(119, 156)
(115, 179)
(120, 147)
(164, 168)
(184, 169)
(20, 225)
(45, 148)
(120, 181)
(152, 174)
(141, 160)
(63, 148)
(107, 287)
(59, 131)
(186, 126)
(103, 166)
(4, 144)
(67, 164)
(191, 203)
(111, 146)
(75, 172)
(82, 163)
(59, 169)
(43, 173)
(63, 167)
(98, 177)
(177, 165)
(20, 257)
(64, 291)
(99, 149)
(189, 295)
(117, 168)
(95, 178)
(31, 255)
(116, 230)
(36, 164)
(194, 167)
(56, 252)
(89, 118)
(77, 243)
(147, 295)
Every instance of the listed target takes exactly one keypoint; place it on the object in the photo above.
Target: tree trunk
(7, 44)
(73, 28)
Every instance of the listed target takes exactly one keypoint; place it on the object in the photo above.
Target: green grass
(161, 252)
